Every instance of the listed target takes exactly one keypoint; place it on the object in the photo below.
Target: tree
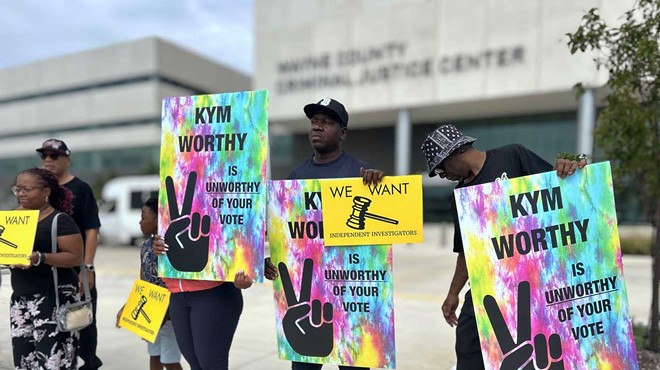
(628, 127)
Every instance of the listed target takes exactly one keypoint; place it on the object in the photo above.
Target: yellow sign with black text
(17, 229)
(357, 214)
(145, 309)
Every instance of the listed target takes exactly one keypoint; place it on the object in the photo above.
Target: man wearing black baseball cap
(449, 154)
(331, 108)
(56, 158)
(328, 129)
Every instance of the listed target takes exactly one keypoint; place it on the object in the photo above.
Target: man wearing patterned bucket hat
(449, 154)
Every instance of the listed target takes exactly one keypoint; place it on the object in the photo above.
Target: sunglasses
(440, 169)
(53, 156)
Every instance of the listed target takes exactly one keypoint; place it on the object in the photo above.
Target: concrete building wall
(104, 103)
(378, 57)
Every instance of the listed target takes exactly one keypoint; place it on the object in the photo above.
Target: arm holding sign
(567, 164)
(69, 254)
(371, 176)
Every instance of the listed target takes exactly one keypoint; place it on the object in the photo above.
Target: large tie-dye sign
(333, 305)
(213, 195)
(546, 273)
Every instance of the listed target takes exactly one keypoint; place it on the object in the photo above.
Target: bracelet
(40, 258)
(572, 157)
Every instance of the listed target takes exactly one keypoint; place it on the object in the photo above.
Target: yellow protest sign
(145, 309)
(357, 214)
(17, 229)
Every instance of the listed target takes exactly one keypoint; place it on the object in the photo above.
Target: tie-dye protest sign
(213, 195)
(546, 274)
(387, 213)
(333, 305)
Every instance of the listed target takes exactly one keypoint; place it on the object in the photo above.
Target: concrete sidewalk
(422, 273)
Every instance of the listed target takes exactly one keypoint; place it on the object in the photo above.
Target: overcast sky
(32, 30)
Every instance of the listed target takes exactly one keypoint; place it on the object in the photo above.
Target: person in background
(450, 155)
(56, 158)
(328, 128)
(36, 341)
(164, 352)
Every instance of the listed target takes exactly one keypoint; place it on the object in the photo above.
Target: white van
(121, 205)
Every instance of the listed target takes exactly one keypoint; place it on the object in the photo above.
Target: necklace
(43, 211)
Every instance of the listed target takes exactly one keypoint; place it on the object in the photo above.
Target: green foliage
(641, 332)
(636, 245)
(628, 128)
(572, 157)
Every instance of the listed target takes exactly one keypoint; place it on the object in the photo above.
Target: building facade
(104, 103)
(499, 70)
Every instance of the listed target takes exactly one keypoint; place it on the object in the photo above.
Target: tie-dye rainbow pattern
(233, 247)
(485, 212)
(360, 338)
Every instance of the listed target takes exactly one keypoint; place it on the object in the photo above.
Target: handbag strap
(53, 238)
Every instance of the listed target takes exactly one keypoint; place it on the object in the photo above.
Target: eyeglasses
(53, 156)
(25, 189)
(323, 122)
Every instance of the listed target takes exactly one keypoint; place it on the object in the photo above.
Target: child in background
(164, 351)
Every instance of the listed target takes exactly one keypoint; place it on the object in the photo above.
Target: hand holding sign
(186, 236)
(518, 355)
(308, 334)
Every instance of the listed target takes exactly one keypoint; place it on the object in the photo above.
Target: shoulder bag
(76, 315)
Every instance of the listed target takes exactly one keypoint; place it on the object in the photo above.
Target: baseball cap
(54, 145)
(328, 106)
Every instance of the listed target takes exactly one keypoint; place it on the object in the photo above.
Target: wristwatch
(89, 267)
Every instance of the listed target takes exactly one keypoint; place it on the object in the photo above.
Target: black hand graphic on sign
(186, 237)
(308, 334)
(518, 355)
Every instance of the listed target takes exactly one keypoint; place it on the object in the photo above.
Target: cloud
(218, 29)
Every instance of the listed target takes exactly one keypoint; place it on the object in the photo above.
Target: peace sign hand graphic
(523, 354)
(308, 334)
(187, 235)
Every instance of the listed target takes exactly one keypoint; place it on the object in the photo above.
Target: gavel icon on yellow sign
(139, 309)
(359, 214)
(5, 241)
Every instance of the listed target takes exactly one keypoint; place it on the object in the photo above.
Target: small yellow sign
(145, 309)
(17, 229)
(357, 214)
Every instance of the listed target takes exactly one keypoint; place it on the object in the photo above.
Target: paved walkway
(423, 339)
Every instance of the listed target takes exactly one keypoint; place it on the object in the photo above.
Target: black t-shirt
(344, 166)
(40, 278)
(502, 163)
(85, 209)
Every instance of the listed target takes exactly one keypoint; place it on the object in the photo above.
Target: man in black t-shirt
(449, 154)
(55, 156)
(328, 129)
